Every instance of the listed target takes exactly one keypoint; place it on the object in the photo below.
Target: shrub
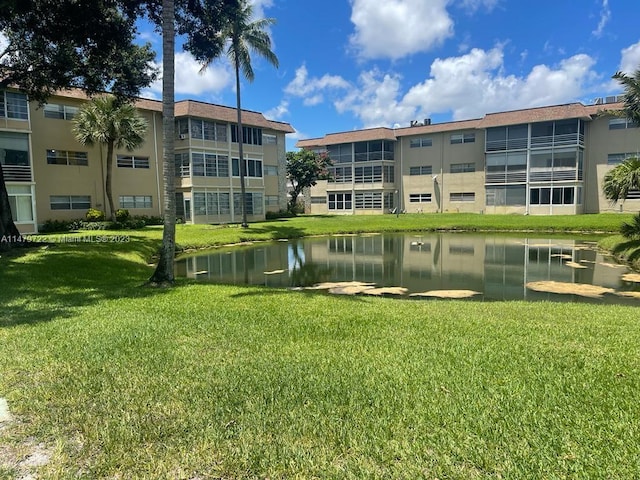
(631, 230)
(122, 215)
(279, 214)
(95, 215)
(53, 226)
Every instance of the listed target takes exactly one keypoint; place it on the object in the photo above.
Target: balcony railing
(17, 173)
(512, 144)
(506, 177)
(557, 140)
(555, 175)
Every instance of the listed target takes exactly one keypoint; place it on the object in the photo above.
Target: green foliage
(631, 84)
(55, 226)
(631, 229)
(122, 215)
(279, 214)
(621, 179)
(304, 169)
(94, 215)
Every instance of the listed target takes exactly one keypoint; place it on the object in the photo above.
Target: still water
(496, 267)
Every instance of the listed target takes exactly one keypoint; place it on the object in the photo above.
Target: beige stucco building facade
(51, 176)
(539, 161)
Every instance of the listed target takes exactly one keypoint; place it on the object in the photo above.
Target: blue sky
(351, 64)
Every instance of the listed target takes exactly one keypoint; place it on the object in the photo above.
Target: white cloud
(475, 5)
(397, 28)
(311, 89)
(630, 60)
(259, 7)
(467, 86)
(605, 16)
(279, 112)
(189, 80)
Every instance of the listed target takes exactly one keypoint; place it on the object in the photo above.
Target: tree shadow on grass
(49, 283)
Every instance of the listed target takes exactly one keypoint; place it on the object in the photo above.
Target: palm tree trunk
(9, 234)
(108, 182)
(164, 273)
(243, 199)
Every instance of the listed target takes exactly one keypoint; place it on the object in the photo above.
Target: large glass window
(62, 112)
(421, 170)
(372, 174)
(135, 201)
(209, 165)
(251, 135)
(368, 200)
(14, 148)
(341, 174)
(207, 130)
(253, 202)
(340, 201)
(341, 153)
(506, 195)
(253, 168)
(211, 203)
(420, 198)
(373, 150)
(20, 202)
(463, 138)
(553, 196)
(132, 161)
(463, 167)
(14, 105)
(513, 137)
(420, 142)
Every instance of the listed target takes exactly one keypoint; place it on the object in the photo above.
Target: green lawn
(203, 382)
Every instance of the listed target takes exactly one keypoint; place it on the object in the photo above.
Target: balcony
(567, 139)
(17, 173)
(563, 175)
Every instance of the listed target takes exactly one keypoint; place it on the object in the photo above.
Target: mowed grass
(204, 381)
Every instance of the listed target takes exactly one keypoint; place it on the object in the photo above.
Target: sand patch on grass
(386, 291)
(631, 277)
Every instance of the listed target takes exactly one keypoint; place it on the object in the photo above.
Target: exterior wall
(78, 172)
(600, 143)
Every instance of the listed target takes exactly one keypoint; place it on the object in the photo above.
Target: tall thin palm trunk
(164, 273)
(109, 181)
(243, 198)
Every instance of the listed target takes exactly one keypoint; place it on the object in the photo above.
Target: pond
(449, 265)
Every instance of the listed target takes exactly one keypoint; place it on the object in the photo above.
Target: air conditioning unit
(183, 136)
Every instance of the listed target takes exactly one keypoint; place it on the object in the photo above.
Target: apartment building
(538, 161)
(50, 175)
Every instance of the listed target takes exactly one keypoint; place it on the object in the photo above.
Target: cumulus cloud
(467, 86)
(474, 5)
(397, 28)
(630, 59)
(312, 89)
(278, 112)
(189, 80)
(605, 16)
(259, 7)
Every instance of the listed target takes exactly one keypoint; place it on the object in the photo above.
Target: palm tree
(109, 122)
(245, 36)
(621, 179)
(164, 272)
(631, 84)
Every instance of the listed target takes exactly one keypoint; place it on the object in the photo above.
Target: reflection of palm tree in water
(301, 272)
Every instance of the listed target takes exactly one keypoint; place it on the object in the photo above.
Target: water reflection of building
(497, 266)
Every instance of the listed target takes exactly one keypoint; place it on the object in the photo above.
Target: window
(340, 201)
(209, 165)
(272, 200)
(204, 130)
(463, 138)
(616, 158)
(388, 174)
(341, 174)
(420, 198)
(268, 139)
(420, 142)
(253, 202)
(371, 174)
(552, 196)
(63, 157)
(211, 203)
(14, 149)
(341, 153)
(318, 200)
(128, 161)
(270, 170)
(462, 197)
(250, 135)
(369, 200)
(253, 168)
(463, 167)
(70, 202)
(506, 195)
(135, 201)
(421, 170)
(373, 150)
(183, 167)
(14, 106)
(621, 124)
(62, 112)
(20, 202)
(182, 128)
